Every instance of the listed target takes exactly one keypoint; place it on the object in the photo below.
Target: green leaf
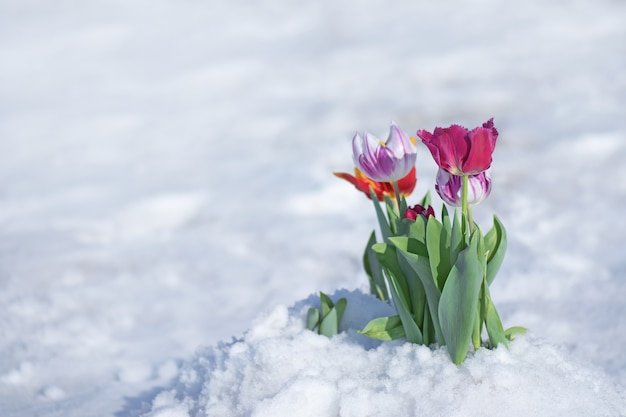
(374, 270)
(428, 328)
(456, 239)
(327, 304)
(399, 290)
(425, 202)
(384, 328)
(495, 247)
(392, 214)
(417, 296)
(512, 332)
(382, 220)
(416, 255)
(478, 329)
(433, 237)
(417, 229)
(445, 217)
(330, 323)
(403, 205)
(340, 307)
(312, 318)
(494, 324)
(438, 251)
(388, 259)
(459, 301)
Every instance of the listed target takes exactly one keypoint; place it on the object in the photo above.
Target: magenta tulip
(388, 161)
(448, 187)
(418, 210)
(459, 151)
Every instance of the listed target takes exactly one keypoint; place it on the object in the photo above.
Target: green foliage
(399, 290)
(494, 325)
(512, 332)
(384, 328)
(374, 270)
(327, 322)
(495, 247)
(312, 318)
(438, 277)
(416, 255)
(459, 301)
(382, 220)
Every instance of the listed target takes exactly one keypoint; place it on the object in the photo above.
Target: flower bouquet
(435, 271)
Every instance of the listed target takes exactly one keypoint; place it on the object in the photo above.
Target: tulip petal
(448, 187)
(483, 142)
(446, 145)
(384, 162)
(362, 183)
(406, 185)
(459, 151)
(459, 148)
(367, 160)
(399, 142)
(387, 163)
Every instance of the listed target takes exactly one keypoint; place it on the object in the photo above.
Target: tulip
(362, 183)
(459, 151)
(388, 161)
(449, 187)
(418, 210)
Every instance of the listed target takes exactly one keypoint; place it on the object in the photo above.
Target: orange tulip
(362, 183)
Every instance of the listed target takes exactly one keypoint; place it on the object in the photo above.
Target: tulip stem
(396, 191)
(466, 211)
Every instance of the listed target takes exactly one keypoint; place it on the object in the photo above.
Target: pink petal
(482, 143)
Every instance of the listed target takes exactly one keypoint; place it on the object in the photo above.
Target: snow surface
(166, 178)
(279, 369)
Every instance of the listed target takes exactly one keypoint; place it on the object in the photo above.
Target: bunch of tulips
(435, 271)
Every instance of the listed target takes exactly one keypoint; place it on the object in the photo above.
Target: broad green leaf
(403, 205)
(495, 244)
(327, 304)
(414, 247)
(340, 307)
(382, 220)
(392, 214)
(416, 294)
(477, 329)
(425, 200)
(384, 328)
(456, 239)
(388, 259)
(484, 287)
(459, 301)
(411, 330)
(428, 328)
(512, 332)
(417, 229)
(416, 255)
(399, 290)
(445, 217)
(374, 270)
(494, 324)
(312, 318)
(438, 246)
(330, 323)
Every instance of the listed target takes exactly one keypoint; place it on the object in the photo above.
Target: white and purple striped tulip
(388, 161)
(449, 186)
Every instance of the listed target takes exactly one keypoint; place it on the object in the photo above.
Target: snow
(165, 185)
(279, 369)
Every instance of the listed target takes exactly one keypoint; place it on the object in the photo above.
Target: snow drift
(280, 369)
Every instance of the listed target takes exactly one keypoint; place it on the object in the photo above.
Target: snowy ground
(166, 172)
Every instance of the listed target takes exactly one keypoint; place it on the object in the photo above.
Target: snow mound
(280, 369)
